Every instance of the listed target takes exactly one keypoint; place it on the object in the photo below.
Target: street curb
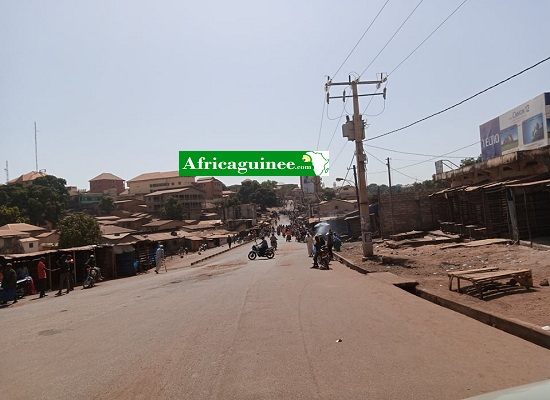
(349, 264)
(215, 254)
(523, 330)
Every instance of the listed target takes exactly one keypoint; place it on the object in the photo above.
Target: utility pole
(360, 157)
(356, 187)
(391, 196)
(7, 172)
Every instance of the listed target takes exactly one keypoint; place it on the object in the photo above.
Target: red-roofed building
(107, 183)
(212, 187)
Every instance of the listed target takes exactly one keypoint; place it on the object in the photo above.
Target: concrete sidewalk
(524, 330)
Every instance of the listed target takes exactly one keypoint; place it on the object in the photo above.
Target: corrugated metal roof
(532, 183)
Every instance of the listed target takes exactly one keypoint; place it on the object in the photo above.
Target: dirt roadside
(429, 265)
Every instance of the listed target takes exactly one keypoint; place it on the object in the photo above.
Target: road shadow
(495, 290)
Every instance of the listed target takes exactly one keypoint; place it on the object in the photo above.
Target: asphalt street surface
(230, 328)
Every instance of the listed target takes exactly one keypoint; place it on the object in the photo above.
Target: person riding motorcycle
(91, 264)
(262, 247)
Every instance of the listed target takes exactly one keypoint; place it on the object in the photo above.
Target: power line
(416, 48)
(391, 38)
(382, 162)
(459, 103)
(412, 154)
(338, 155)
(361, 38)
(321, 126)
(443, 155)
(429, 36)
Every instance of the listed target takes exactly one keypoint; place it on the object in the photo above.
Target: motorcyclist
(262, 247)
(91, 264)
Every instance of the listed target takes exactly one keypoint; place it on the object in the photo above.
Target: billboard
(308, 184)
(523, 128)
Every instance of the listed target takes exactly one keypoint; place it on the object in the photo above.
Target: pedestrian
(337, 242)
(9, 284)
(63, 265)
(319, 243)
(159, 259)
(309, 243)
(316, 250)
(72, 282)
(229, 240)
(273, 240)
(42, 277)
(330, 243)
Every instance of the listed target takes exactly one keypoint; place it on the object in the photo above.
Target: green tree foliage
(11, 215)
(427, 185)
(262, 194)
(173, 209)
(328, 193)
(44, 201)
(106, 205)
(470, 161)
(78, 230)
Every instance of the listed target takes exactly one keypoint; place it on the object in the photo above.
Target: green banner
(253, 163)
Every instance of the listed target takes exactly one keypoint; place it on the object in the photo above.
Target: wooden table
(481, 276)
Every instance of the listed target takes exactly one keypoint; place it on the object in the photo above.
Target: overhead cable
(459, 103)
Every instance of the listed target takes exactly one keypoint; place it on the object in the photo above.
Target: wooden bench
(481, 276)
(460, 274)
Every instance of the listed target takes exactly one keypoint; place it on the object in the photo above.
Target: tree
(470, 161)
(78, 230)
(173, 209)
(262, 194)
(10, 215)
(329, 193)
(106, 205)
(44, 201)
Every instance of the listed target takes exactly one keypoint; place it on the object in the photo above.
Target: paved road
(230, 328)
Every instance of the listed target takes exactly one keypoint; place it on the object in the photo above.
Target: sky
(122, 86)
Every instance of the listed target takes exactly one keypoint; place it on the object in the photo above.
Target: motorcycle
(255, 252)
(93, 276)
(324, 258)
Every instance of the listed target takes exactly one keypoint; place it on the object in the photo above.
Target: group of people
(317, 242)
(66, 267)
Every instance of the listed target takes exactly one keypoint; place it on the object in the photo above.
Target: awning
(526, 184)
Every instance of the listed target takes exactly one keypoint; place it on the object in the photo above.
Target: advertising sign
(308, 184)
(523, 128)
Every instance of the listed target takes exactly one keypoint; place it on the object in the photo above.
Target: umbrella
(321, 225)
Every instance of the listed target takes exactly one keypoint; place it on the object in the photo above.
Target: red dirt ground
(429, 265)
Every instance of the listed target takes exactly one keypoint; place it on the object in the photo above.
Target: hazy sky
(122, 86)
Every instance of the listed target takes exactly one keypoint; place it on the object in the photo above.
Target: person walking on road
(9, 284)
(159, 259)
(63, 274)
(309, 243)
(330, 243)
(229, 240)
(42, 277)
(72, 282)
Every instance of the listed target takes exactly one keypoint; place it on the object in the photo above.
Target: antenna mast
(7, 172)
(35, 147)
